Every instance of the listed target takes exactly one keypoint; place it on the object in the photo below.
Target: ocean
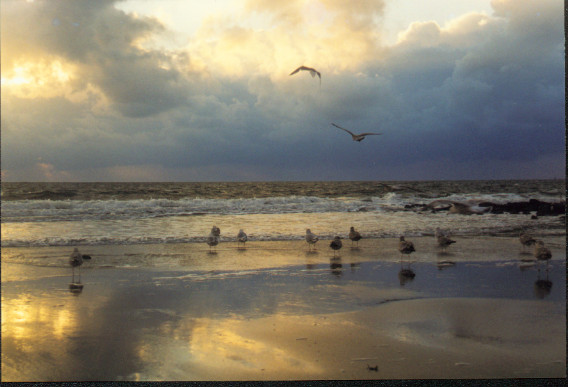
(85, 214)
(154, 303)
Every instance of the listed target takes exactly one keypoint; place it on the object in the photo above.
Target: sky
(173, 90)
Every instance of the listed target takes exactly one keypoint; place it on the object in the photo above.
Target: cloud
(479, 97)
(103, 46)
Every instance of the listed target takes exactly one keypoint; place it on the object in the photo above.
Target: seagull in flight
(312, 71)
(356, 137)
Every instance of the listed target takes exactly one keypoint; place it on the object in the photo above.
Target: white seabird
(311, 238)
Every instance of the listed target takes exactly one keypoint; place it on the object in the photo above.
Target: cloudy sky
(167, 90)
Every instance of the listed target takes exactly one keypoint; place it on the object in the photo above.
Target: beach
(274, 311)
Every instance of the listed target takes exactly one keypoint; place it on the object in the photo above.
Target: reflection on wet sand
(542, 287)
(257, 321)
(335, 266)
(354, 266)
(405, 276)
(76, 288)
(226, 347)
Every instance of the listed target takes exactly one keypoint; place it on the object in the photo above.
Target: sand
(276, 312)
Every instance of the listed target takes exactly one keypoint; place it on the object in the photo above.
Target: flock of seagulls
(540, 251)
(313, 72)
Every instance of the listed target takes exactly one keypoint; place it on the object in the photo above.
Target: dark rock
(533, 205)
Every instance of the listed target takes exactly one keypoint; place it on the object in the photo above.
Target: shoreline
(274, 311)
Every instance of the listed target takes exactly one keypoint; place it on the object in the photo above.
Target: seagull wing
(312, 71)
(298, 69)
(368, 134)
(348, 131)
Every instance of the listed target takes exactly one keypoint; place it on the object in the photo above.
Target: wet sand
(273, 311)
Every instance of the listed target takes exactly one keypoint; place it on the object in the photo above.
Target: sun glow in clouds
(37, 79)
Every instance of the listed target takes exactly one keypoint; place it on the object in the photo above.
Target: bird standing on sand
(336, 244)
(405, 247)
(313, 72)
(444, 241)
(354, 236)
(242, 237)
(526, 240)
(76, 260)
(356, 137)
(311, 238)
(213, 238)
(541, 252)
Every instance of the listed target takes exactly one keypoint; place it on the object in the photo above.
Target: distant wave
(80, 210)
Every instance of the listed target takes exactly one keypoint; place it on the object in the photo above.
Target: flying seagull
(356, 137)
(312, 71)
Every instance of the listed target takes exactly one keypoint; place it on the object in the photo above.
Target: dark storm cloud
(481, 97)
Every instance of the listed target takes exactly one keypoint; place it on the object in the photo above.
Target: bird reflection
(354, 266)
(405, 276)
(311, 266)
(336, 266)
(525, 264)
(542, 287)
(444, 264)
(75, 288)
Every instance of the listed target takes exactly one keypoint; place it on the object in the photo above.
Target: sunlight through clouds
(141, 89)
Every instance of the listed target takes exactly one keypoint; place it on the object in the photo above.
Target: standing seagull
(542, 253)
(213, 238)
(336, 244)
(75, 260)
(311, 238)
(354, 236)
(526, 240)
(405, 247)
(242, 237)
(356, 137)
(444, 241)
(312, 71)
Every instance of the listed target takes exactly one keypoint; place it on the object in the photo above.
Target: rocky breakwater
(541, 208)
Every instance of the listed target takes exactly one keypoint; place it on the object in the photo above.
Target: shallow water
(125, 315)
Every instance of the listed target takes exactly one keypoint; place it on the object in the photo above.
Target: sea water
(83, 214)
